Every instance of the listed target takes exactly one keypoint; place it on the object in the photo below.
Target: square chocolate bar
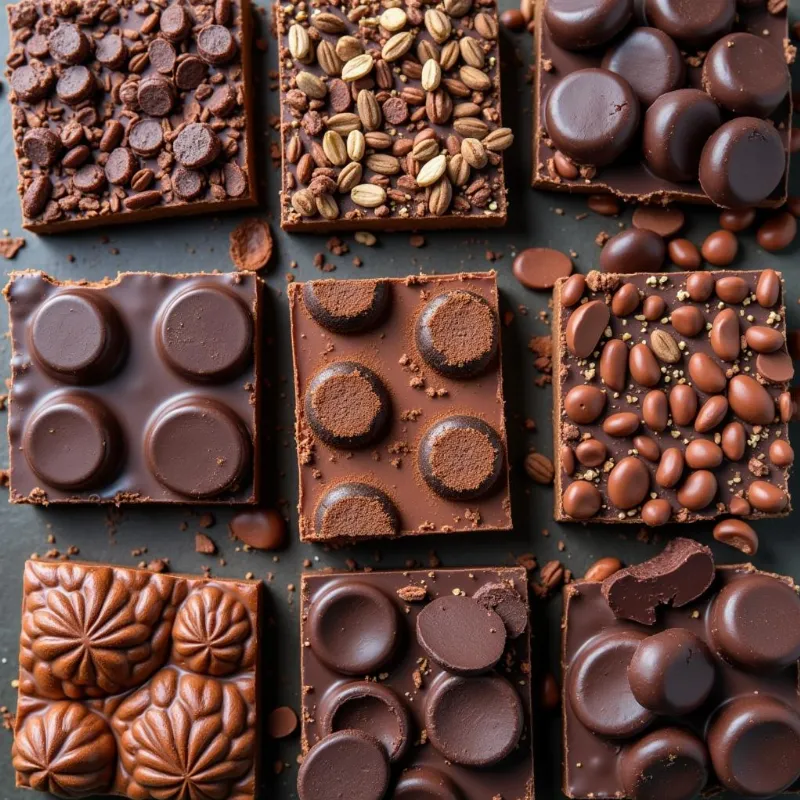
(390, 116)
(671, 397)
(126, 111)
(416, 684)
(137, 684)
(660, 101)
(399, 406)
(686, 700)
(140, 389)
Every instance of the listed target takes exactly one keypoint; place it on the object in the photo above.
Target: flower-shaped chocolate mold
(211, 631)
(67, 750)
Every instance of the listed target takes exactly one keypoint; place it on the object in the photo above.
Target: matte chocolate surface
(662, 101)
(704, 698)
(399, 406)
(390, 116)
(134, 390)
(137, 684)
(432, 670)
(671, 397)
(124, 111)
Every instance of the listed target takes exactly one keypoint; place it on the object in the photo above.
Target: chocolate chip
(162, 55)
(75, 85)
(36, 196)
(146, 137)
(175, 23)
(111, 51)
(121, 166)
(778, 232)
(586, 326)
(89, 179)
(222, 102)
(264, 529)
(41, 146)
(196, 145)
(632, 251)
(32, 82)
(190, 73)
(737, 533)
(720, 249)
(156, 96)
(216, 45)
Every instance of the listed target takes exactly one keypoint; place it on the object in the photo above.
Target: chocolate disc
(156, 96)
(349, 764)
(75, 85)
(175, 23)
(461, 457)
(598, 688)
(457, 334)
(755, 622)
(650, 61)
(197, 447)
(146, 137)
(353, 627)
(460, 635)
(592, 116)
(111, 51)
(42, 146)
(216, 44)
(347, 405)
(742, 163)
(507, 603)
(197, 145)
(754, 744)
(353, 510)
(746, 74)
(32, 82)
(121, 166)
(632, 251)
(476, 722)
(68, 44)
(206, 333)
(582, 24)
(667, 764)
(426, 783)
(347, 306)
(691, 23)
(671, 672)
(676, 128)
(369, 707)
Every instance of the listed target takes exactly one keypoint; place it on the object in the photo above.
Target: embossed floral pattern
(68, 751)
(210, 632)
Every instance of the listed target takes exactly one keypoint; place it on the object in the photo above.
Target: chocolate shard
(679, 574)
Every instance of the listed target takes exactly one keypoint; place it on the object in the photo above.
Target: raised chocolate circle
(32, 82)
(691, 23)
(457, 334)
(671, 672)
(476, 722)
(754, 742)
(156, 95)
(73, 442)
(755, 622)
(216, 44)
(188, 184)
(353, 510)
(111, 51)
(460, 635)
(347, 764)
(175, 23)
(77, 337)
(197, 145)
(369, 707)
(592, 115)
(583, 24)
(598, 688)
(353, 627)
(461, 457)
(75, 85)
(667, 764)
(650, 61)
(68, 44)
(347, 405)
(347, 306)
(746, 74)
(676, 128)
(146, 137)
(42, 146)
(742, 163)
(205, 333)
(197, 447)
(426, 783)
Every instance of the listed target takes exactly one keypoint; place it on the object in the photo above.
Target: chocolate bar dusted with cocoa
(671, 396)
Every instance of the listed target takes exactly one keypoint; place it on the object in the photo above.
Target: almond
(358, 67)
(432, 171)
(397, 46)
(368, 195)
(665, 347)
(349, 177)
(334, 148)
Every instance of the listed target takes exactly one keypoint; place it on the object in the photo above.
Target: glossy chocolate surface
(372, 644)
(134, 390)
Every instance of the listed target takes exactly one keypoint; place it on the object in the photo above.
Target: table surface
(536, 219)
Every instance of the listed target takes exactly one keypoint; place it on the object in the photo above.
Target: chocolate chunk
(42, 146)
(162, 56)
(585, 327)
(175, 23)
(425, 782)
(347, 306)
(111, 51)
(540, 267)
(264, 529)
(121, 166)
(216, 45)
(505, 601)
(196, 145)
(32, 82)
(585, 24)
(188, 184)
(633, 250)
(67, 44)
(75, 85)
(146, 137)
(190, 73)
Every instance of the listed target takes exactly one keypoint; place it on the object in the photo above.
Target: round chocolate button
(667, 764)
(592, 115)
(72, 442)
(583, 24)
(175, 23)
(347, 306)
(461, 457)
(671, 672)
(41, 146)
(457, 334)
(460, 635)
(476, 722)
(650, 61)
(67, 44)
(75, 85)
(354, 510)
(188, 184)
(369, 707)
(146, 137)
(633, 251)
(111, 51)
(32, 82)
(347, 405)
(353, 627)
(598, 688)
(754, 743)
(196, 145)
(89, 179)
(676, 128)
(347, 764)
(755, 622)
(190, 73)
(162, 56)
(216, 44)
(121, 166)
(746, 74)
(426, 783)
(742, 163)
(197, 447)
(156, 96)
(205, 333)
(77, 337)
(692, 24)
